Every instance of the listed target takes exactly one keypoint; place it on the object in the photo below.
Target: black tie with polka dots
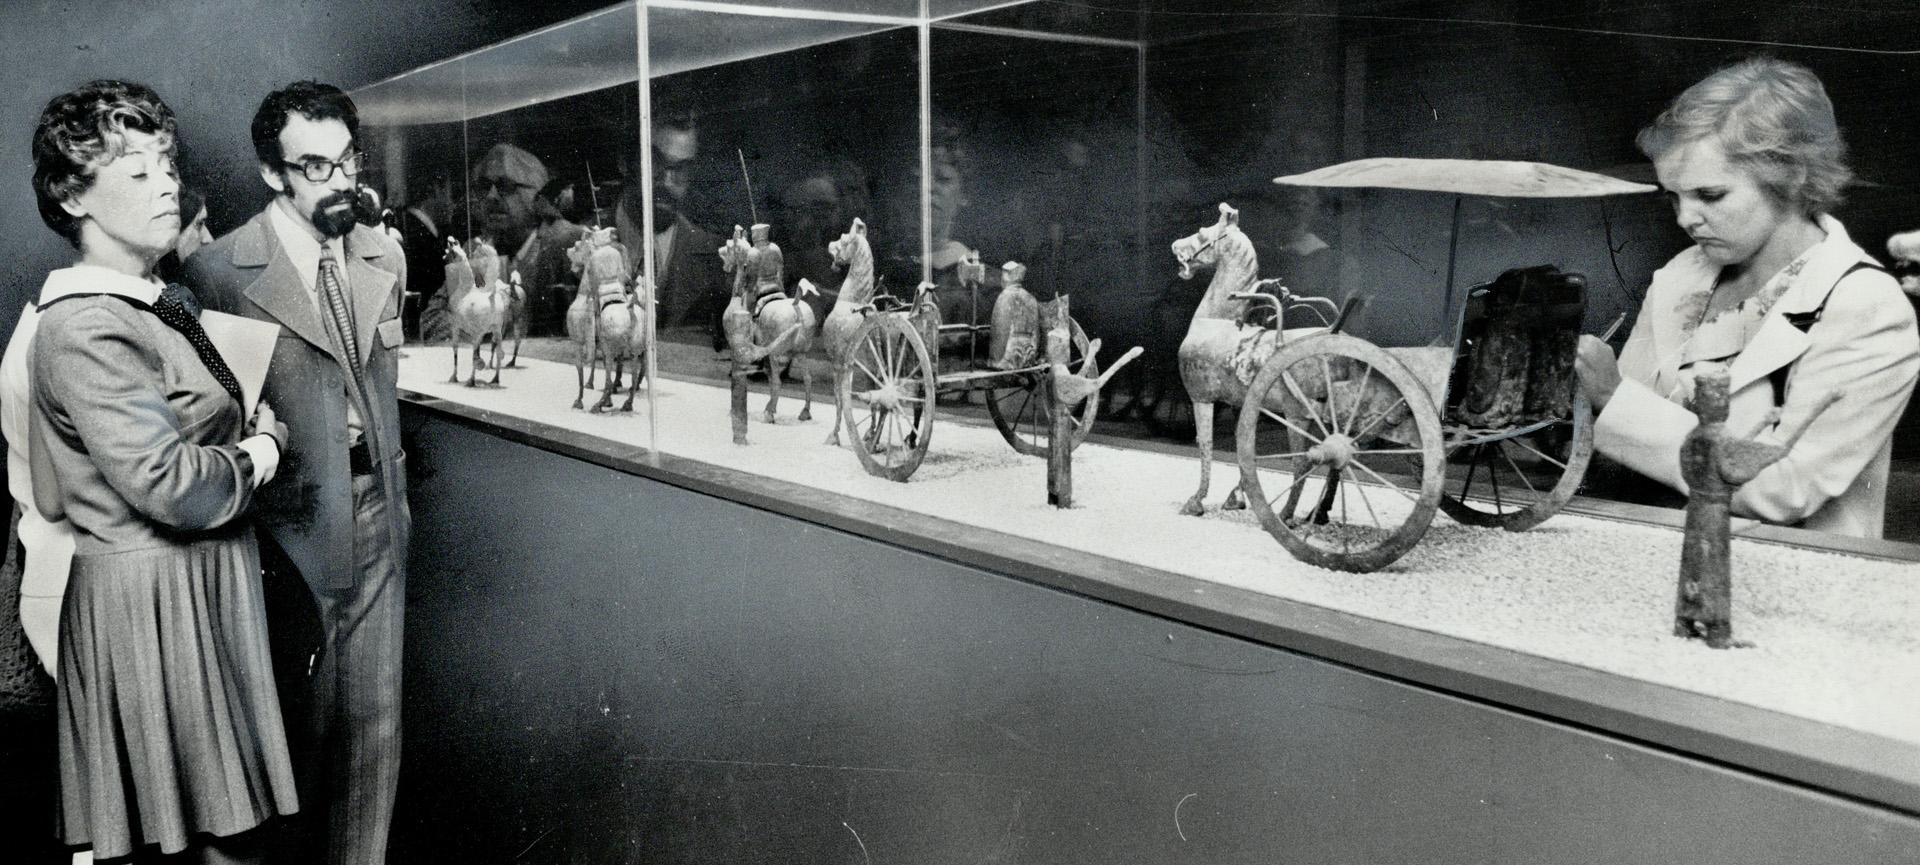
(175, 315)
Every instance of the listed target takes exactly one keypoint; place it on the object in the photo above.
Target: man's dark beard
(336, 223)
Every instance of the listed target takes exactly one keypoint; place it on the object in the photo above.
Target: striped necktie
(340, 329)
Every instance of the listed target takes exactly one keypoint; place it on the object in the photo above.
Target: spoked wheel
(1024, 413)
(885, 392)
(1516, 482)
(1340, 453)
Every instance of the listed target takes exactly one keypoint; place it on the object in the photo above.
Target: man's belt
(360, 460)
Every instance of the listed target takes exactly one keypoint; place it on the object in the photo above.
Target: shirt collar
(301, 243)
(91, 279)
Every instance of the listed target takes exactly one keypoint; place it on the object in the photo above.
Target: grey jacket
(309, 507)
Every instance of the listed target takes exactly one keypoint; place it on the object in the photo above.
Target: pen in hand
(1613, 328)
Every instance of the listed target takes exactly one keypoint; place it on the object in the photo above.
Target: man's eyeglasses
(505, 186)
(321, 170)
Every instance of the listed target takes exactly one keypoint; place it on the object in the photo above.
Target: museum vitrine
(935, 229)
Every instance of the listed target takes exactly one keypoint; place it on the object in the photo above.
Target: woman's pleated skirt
(168, 718)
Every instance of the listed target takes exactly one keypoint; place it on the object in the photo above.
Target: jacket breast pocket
(391, 333)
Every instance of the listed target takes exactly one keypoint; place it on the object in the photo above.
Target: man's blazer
(308, 506)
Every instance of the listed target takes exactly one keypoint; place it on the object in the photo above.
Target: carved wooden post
(737, 410)
(1714, 463)
(1704, 607)
(1060, 442)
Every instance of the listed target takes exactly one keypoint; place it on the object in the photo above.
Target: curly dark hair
(310, 99)
(81, 130)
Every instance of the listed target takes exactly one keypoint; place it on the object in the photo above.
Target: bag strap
(1805, 321)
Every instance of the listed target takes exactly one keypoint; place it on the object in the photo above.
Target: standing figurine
(1714, 464)
(1067, 388)
(1015, 341)
(762, 322)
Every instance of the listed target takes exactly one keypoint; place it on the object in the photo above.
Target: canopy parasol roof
(1488, 177)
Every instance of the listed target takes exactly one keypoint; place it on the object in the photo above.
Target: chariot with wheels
(1346, 449)
(887, 386)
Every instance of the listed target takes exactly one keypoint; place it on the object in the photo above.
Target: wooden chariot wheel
(1348, 442)
(1517, 481)
(885, 392)
(1023, 412)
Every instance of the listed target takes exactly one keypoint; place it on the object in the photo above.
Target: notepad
(247, 346)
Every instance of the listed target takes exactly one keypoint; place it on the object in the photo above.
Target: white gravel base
(1834, 638)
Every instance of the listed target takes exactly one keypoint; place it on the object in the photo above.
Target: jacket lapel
(1777, 344)
(371, 287)
(1778, 341)
(278, 289)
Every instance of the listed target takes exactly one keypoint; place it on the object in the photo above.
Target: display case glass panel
(1081, 141)
(816, 126)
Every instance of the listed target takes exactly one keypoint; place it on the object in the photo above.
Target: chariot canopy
(1491, 178)
(1488, 177)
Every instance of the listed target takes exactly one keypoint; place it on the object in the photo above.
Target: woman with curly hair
(169, 728)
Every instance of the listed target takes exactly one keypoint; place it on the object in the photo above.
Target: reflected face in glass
(133, 203)
(193, 235)
(1719, 204)
(326, 205)
(948, 193)
(507, 204)
(673, 154)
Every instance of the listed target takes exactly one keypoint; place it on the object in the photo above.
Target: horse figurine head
(581, 252)
(1203, 248)
(851, 246)
(459, 271)
(486, 261)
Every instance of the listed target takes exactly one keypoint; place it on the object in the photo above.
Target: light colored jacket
(1863, 344)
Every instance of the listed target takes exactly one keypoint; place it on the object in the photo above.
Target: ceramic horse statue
(603, 299)
(1221, 353)
(777, 327)
(478, 304)
(620, 327)
(853, 254)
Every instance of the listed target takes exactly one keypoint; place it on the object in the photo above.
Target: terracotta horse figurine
(620, 328)
(853, 254)
(601, 265)
(1220, 354)
(772, 325)
(477, 304)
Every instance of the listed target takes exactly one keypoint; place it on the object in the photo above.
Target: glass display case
(1078, 141)
(934, 229)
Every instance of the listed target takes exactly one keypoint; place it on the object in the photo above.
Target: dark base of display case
(606, 667)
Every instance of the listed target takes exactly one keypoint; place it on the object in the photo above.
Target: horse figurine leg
(497, 345)
(612, 367)
(639, 371)
(1203, 438)
(806, 383)
(473, 373)
(773, 387)
(454, 377)
(839, 417)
